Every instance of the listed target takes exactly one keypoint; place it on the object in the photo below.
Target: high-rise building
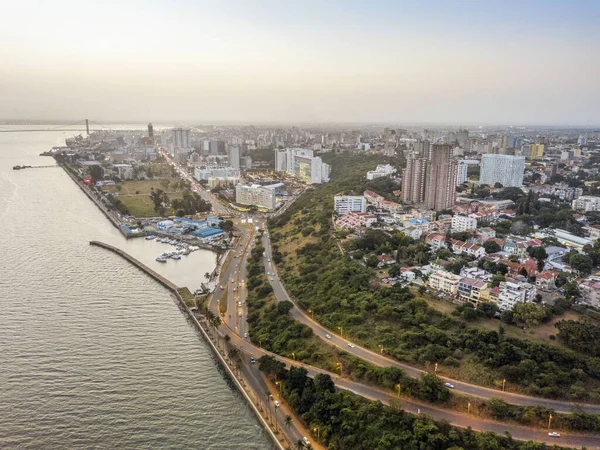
(422, 148)
(537, 151)
(461, 172)
(413, 180)
(302, 164)
(234, 156)
(150, 130)
(504, 169)
(346, 203)
(181, 137)
(440, 192)
(216, 148)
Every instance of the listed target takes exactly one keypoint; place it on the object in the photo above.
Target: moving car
(252, 360)
(554, 434)
(305, 441)
(277, 404)
(328, 336)
(240, 314)
(449, 385)
(246, 335)
(350, 344)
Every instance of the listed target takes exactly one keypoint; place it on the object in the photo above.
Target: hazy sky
(469, 62)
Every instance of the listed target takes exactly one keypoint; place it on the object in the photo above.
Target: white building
(504, 169)
(207, 172)
(513, 293)
(461, 173)
(346, 203)
(445, 282)
(302, 164)
(382, 170)
(586, 203)
(262, 196)
(463, 223)
(234, 156)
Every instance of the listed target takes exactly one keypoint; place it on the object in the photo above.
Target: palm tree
(299, 444)
(207, 276)
(288, 420)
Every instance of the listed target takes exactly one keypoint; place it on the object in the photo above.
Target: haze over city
(341, 61)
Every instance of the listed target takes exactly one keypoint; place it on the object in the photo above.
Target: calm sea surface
(93, 353)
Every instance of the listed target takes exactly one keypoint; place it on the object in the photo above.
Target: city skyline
(338, 62)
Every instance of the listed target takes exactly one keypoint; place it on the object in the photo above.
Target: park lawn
(135, 195)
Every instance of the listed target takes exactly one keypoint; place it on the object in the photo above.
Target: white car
(277, 404)
(240, 314)
(554, 434)
(449, 385)
(328, 336)
(246, 335)
(305, 441)
(350, 344)
(232, 280)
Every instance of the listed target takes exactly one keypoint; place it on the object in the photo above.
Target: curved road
(383, 361)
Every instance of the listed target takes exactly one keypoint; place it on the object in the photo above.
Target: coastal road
(414, 407)
(336, 339)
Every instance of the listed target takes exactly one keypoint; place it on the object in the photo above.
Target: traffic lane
(414, 407)
(383, 361)
(260, 388)
(464, 420)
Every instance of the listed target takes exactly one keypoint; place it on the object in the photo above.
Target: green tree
(160, 200)
(528, 313)
(491, 246)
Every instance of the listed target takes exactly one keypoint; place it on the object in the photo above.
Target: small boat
(175, 256)
(163, 240)
(161, 259)
(150, 237)
(187, 251)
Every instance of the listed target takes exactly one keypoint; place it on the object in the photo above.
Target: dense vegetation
(580, 336)
(273, 328)
(345, 420)
(345, 296)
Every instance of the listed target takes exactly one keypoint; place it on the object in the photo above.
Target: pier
(175, 290)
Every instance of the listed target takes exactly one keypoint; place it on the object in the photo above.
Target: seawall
(86, 190)
(174, 289)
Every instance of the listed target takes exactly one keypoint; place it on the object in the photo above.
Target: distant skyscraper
(423, 148)
(537, 151)
(440, 191)
(413, 180)
(234, 156)
(504, 169)
(461, 172)
(150, 130)
(181, 137)
(217, 148)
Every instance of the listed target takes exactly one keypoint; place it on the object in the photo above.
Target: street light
(312, 317)
(340, 364)
(381, 347)
(341, 332)
(503, 383)
(293, 356)
(469, 408)
(398, 387)
(278, 383)
(435, 368)
(316, 430)
(549, 421)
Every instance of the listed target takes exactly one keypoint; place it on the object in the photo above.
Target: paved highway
(383, 361)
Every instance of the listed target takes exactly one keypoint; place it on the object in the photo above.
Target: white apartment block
(463, 223)
(461, 173)
(504, 169)
(445, 282)
(586, 203)
(513, 293)
(302, 164)
(382, 170)
(346, 203)
(261, 196)
(207, 172)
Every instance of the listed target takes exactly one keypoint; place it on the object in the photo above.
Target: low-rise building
(469, 289)
(512, 293)
(435, 241)
(586, 203)
(444, 282)
(373, 197)
(463, 223)
(590, 292)
(382, 170)
(349, 203)
(354, 220)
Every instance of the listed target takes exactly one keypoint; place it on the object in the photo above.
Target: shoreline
(214, 347)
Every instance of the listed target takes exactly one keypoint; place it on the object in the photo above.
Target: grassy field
(136, 195)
